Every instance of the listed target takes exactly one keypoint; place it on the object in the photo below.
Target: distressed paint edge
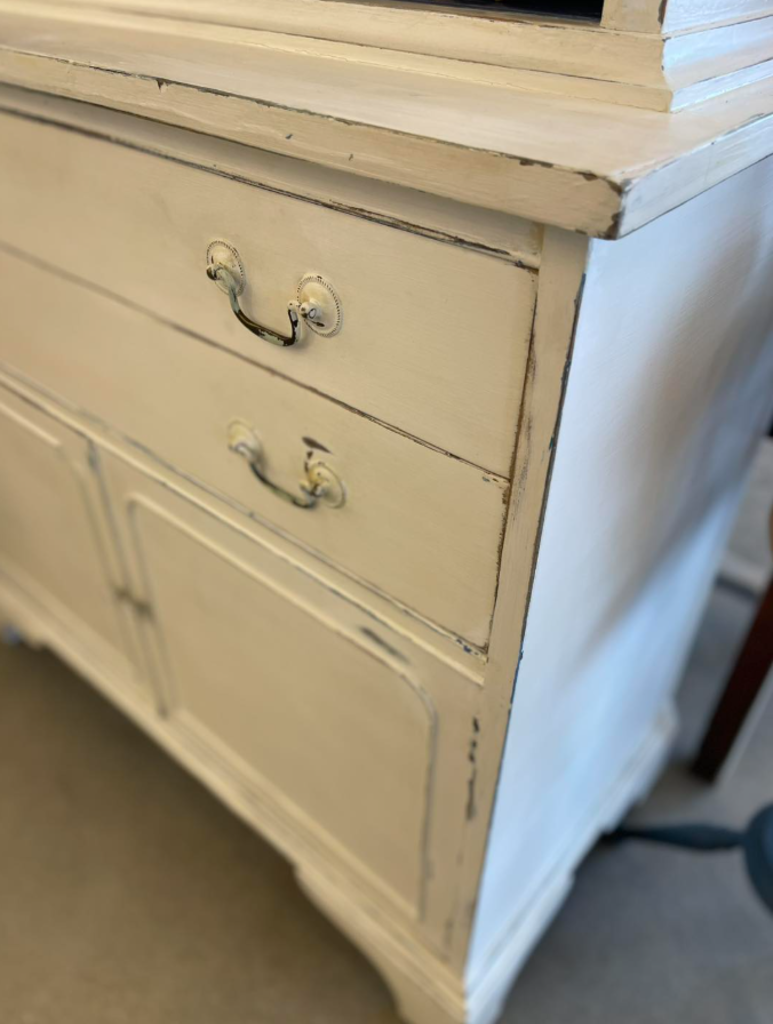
(534, 190)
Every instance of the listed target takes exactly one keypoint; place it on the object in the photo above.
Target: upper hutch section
(662, 55)
(626, 15)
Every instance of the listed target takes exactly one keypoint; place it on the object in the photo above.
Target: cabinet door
(55, 546)
(284, 689)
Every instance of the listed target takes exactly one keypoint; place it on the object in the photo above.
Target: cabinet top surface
(592, 167)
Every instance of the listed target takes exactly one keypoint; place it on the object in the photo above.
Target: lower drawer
(416, 524)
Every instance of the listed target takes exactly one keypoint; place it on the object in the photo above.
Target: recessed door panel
(316, 718)
(53, 542)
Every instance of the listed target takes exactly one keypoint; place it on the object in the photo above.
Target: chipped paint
(472, 757)
(271, 106)
(316, 445)
(393, 652)
(613, 231)
(516, 259)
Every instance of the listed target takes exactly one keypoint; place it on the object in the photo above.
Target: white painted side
(699, 57)
(685, 15)
(673, 16)
(719, 84)
(709, 61)
(488, 989)
(670, 386)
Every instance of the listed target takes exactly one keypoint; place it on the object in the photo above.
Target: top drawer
(434, 337)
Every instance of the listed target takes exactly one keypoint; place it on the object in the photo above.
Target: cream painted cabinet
(377, 384)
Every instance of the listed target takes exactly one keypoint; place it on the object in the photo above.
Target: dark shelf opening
(585, 9)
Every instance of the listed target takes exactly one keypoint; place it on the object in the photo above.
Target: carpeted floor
(128, 895)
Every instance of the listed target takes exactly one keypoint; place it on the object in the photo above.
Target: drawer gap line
(81, 282)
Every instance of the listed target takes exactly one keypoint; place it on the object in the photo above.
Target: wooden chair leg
(741, 691)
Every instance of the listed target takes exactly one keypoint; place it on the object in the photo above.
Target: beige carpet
(128, 894)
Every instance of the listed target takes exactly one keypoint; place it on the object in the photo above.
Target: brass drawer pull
(317, 303)
(222, 274)
(320, 483)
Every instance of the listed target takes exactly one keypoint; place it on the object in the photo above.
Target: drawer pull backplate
(320, 483)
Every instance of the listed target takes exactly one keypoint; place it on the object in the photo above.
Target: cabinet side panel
(670, 386)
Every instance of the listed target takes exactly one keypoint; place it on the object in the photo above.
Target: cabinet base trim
(426, 990)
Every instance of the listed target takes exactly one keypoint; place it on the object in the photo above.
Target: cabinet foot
(425, 989)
